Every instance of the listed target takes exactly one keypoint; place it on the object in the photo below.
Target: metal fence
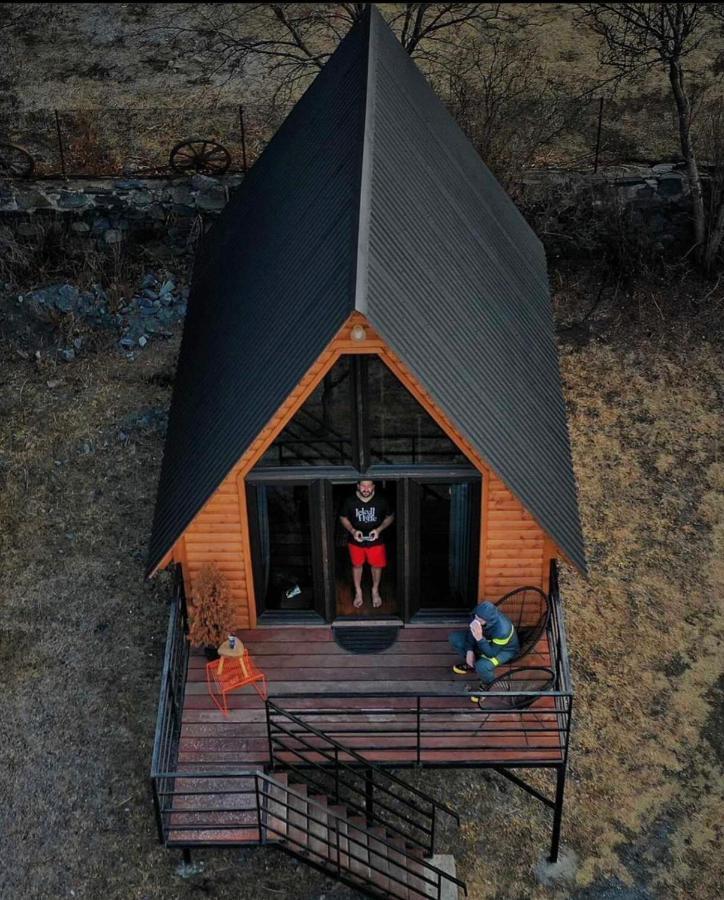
(123, 142)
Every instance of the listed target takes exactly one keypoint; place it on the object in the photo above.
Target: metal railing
(331, 842)
(340, 772)
(170, 707)
(402, 728)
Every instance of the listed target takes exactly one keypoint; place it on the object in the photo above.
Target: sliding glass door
(444, 546)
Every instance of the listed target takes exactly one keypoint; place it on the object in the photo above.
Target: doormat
(374, 639)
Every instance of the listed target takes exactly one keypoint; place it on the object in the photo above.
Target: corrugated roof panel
(273, 283)
(457, 285)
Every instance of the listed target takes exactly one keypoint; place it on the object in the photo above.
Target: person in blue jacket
(489, 641)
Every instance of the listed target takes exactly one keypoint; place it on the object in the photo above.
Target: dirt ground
(81, 634)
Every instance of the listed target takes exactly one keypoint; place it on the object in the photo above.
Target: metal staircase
(330, 807)
(330, 838)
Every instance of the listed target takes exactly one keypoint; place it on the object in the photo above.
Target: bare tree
(292, 41)
(642, 36)
(506, 101)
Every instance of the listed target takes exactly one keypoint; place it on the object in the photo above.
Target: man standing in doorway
(365, 515)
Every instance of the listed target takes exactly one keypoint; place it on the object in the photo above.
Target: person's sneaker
(462, 669)
(475, 687)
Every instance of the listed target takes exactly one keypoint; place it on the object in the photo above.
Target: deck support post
(557, 813)
(186, 856)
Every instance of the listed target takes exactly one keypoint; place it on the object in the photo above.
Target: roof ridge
(365, 188)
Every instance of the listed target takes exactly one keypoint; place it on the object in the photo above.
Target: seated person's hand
(373, 534)
(476, 629)
(470, 659)
(358, 536)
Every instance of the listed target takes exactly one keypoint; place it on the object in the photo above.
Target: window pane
(285, 547)
(401, 431)
(449, 535)
(320, 434)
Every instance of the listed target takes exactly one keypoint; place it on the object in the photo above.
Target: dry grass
(81, 639)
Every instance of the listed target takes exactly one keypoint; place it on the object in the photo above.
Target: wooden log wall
(514, 550)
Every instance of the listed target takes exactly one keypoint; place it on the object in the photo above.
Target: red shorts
(375, 555)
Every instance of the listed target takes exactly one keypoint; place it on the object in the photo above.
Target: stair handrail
(329, 813)
(428, 832)
(363, 761)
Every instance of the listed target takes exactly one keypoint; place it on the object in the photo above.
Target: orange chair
(233, 670)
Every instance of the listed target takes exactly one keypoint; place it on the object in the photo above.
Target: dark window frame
(320, 480)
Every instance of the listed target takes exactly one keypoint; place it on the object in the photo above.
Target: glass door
(285, 548)
(444, 546)
(343, 574)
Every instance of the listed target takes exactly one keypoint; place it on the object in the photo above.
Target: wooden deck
(383, 728)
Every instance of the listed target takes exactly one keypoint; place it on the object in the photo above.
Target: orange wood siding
(514, 550)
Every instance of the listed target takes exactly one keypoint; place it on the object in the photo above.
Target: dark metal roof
(370, 197)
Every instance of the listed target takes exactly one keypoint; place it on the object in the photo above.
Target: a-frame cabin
(370, 306)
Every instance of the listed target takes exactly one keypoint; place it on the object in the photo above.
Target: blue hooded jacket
(499, 635)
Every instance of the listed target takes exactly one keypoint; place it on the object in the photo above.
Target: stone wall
(109, 210)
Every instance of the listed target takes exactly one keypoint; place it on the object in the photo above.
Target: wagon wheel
(198, 155)
(15, 162)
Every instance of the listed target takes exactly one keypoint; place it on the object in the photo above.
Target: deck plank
(454, 731)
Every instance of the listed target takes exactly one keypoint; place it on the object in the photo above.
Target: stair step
(319, 832)
(358, 849)
(275, 814)
(379, 862)
(218, 810)
(397, 866)
(297, 818)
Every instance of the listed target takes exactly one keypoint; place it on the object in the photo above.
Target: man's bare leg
(376, 578)
(357, 579)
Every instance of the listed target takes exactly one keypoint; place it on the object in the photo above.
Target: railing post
(336, 775)
(557, 813)
(262, 832)
(369, 797)
(418, 731)
(157, 809)
(269, 733)
(432, 829)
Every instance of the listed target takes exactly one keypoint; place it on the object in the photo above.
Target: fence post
(598, 134)
(60, 144)
(244, 164)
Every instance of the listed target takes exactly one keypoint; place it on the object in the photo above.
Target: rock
(167, 287)
(127, 342)
(141, 198)
(73, 200)
(662, 168)
(113, 236)
(142, 341)
(67, 355)
(203, 183)
(32, 199)
(128, 184)
(212, 200)
(149, 294)
(66, 298)
(80, 227)
(78, 343)
(149, 280)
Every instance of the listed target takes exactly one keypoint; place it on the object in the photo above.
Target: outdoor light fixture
(358, 333)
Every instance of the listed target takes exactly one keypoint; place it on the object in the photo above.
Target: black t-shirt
(365, 516)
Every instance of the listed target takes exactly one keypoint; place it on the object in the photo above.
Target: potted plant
(210, 608)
